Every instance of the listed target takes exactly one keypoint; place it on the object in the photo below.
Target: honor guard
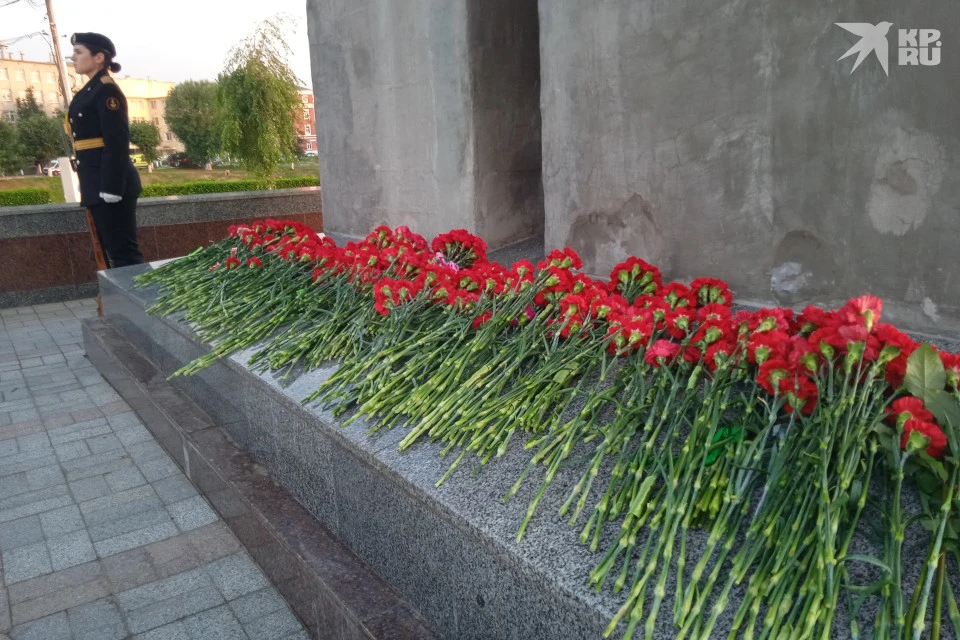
(98, 125)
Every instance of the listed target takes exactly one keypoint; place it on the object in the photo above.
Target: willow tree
(259, 101)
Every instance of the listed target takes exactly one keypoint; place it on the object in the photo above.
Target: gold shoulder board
(107, 80)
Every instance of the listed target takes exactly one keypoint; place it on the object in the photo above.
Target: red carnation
(573, 304)
(678, 295)
(938, 440)
(717, 353)
(633, 277)
(908, 408)
(770, 374)
(524, 269)
(565, 259)
(711, 291)
(714, 311)
(811, 319)
(603, 306)
(680, 322)
(769, 320)
(481, 319)
(461, 247)
(801, 354)
(766, 345)
(800, 392)
(712, 331)
(661, 352)
(864, 310)
(951, 362)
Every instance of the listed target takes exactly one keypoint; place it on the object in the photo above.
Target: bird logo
(872, 38)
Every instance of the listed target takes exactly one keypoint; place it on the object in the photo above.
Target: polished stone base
(62, 293)
(329, 588)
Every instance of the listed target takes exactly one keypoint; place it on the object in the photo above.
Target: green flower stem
(893, 593)
(952, 610)
(919, 620)
(938, 598)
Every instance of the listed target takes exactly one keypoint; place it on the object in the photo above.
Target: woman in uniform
(98, 124)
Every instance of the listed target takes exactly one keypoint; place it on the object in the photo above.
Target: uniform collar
(95, 80)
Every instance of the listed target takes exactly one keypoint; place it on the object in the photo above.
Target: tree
(11, 155)
(145, 136)
(194, 117)
(41, 137)
(258, 99)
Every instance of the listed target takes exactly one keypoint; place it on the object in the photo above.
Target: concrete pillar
(724, 138)
(428, 115)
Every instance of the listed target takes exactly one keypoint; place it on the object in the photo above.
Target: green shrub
(209, 186)
(21, 197)
(293, 183)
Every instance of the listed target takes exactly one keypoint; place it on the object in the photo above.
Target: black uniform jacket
(99, 111)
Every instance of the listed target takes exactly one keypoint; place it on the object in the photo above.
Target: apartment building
(146, 102)
(146, 98)
(17, 75)
(307, 123)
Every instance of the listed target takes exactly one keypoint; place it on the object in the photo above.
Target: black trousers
(117, 229)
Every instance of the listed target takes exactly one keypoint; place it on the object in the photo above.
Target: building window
(307, 129)
(169, 136)
(35, 76)
(18, 75)
(10, 116)
(22, 95)
(309, 146)
(38, 96)
(156, 121)
(7, 96)
(52, 97)
(3, 74)
(50, 78)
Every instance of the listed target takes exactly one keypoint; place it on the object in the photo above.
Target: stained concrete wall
(724, 138)
(428, 115)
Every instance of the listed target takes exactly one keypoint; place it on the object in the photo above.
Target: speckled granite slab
(451, 552)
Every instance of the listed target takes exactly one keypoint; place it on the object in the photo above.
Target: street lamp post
(71, 185)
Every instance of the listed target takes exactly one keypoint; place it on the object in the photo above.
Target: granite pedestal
(448, 552)
(447, 555)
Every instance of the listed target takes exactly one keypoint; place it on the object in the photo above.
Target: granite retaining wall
(46, 254)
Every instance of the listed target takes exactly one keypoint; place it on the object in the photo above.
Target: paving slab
(102, 536)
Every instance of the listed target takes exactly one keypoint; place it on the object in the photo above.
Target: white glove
(109, 198)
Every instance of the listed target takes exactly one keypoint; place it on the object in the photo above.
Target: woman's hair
(108, 62)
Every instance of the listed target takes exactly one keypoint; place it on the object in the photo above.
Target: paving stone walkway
(102, 537)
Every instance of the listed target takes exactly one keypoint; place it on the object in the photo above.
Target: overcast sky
(171, 40)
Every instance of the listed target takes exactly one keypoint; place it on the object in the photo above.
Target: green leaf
(934, 465)
(925, 372)
(867, 559)
(722, 434)
(944, 408)
(562, 376)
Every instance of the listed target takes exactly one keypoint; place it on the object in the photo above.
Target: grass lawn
(166, 176)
